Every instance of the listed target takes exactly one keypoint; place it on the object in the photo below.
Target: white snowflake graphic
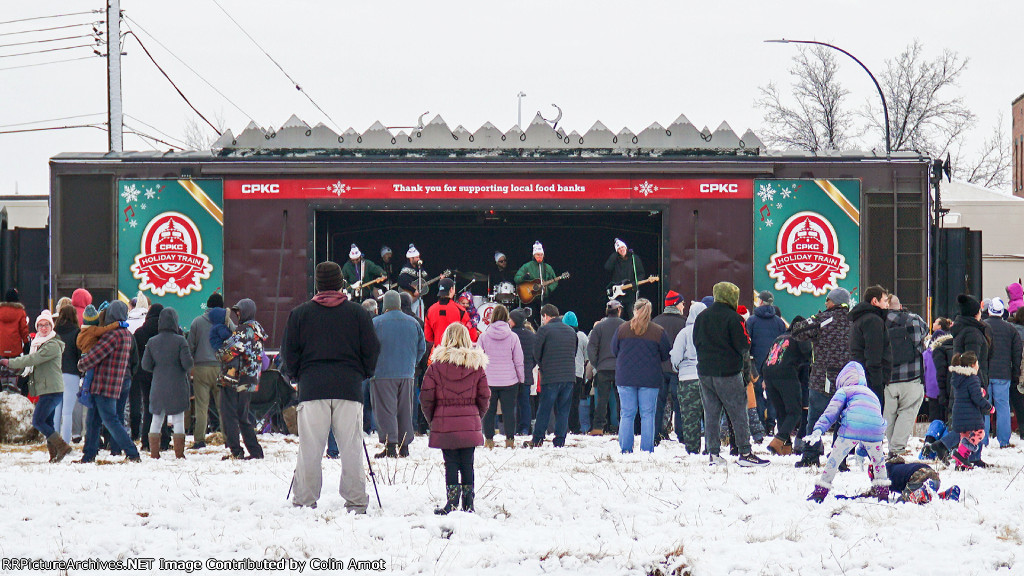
(646, 188)
(133, 223)
(766, 193)
(339, 188)
(786, 192)
(778, 205)
(202, 306)
(130, 193)
(143, 206)
(150, 194)
(769, 223)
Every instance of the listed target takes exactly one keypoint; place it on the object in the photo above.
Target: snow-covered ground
(583, 509)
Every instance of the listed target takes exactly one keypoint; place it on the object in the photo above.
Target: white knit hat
(44, 315)
(384, 250)
(538, 248)
(619, 244)
(498, 256)
(354, 253)
(412, 252)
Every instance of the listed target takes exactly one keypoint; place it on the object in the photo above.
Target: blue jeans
(332, 445)
(524, 411)
(632, 400)
(667, 395)
(585, 414)
(557, 395)
(122, 402)
(816, 404)
(104, 411)
(42, 417)
(999, 394)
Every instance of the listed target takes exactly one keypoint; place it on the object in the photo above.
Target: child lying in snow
(860, 422)
(916, 482)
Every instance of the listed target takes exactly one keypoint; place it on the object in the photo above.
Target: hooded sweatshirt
(673, 321)
(504, 353)
(684, 353)
(869, 344)
(719, 335)
(168, 358)
(219, 329)
(763, 327)
(199, 343)
(80, 298)
(1015, 294)
(855, 406)
(455, 396)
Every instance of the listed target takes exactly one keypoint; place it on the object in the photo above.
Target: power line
(180, 93)
(49, 40)
(48, 63)
(50, 50)
(52, 120)
(279, 67)
(100, 126)
(200, 76)
(51, 17)
(153, 138)
(144, 123)
(96, 23)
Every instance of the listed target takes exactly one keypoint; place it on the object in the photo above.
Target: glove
(814, 438)
(993, 410)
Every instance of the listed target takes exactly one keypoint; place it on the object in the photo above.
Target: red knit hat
(673, 298)
(741, 310)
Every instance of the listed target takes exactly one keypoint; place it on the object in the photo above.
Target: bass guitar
(619, 290)
(427, 284)
(532, 288)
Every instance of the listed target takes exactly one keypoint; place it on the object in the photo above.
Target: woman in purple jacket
(504, 374)
(454, 397)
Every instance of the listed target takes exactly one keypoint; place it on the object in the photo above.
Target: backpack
(776, 353)
(901, 341)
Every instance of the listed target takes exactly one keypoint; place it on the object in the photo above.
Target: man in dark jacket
(527, 337)
(599, 352)
(829, 331)
(869, 339)
(722, 348)
(905, 392)
(672, 321)
(1003, 368)
(763, 327)
(626, 268)
(330, 347)
(555, 352)
(206, 370)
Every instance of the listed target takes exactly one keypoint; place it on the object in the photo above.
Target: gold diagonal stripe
(199, 196)
(832, 192)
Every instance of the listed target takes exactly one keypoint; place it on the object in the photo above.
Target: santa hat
(384, 250)
(619, 244)
(354, 253)
(412, 252)
(672, 298)
(498, 256)
(538, 248)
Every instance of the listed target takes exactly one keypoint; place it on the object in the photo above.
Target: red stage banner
(518, 188)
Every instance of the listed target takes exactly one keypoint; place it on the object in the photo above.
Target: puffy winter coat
(829, 332)
(455, 396)
(972, 334)
(969, 406)
(168, 358)
(638, 358)
(673, 321)
(684, 353)
(763, 327)
(46, 375)
(1015, 292)
(869, 344)
(936, 365)
(526, 340)
(599, 348)
(1006, 350)
(442, 313)
(13, 329)
(555, 352)
(504, 355)
(855, 406)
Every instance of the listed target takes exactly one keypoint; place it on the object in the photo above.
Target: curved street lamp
(885, 106)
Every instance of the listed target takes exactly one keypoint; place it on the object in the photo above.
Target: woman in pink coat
(504, 374)
(454, 397)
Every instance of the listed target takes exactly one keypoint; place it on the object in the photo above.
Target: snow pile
(16, 420)
(584, 509)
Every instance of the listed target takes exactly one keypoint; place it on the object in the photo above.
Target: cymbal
(478, 276)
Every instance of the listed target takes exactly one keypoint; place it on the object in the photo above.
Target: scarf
(37, 342)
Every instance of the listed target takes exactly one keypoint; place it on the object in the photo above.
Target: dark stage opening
(578, 242)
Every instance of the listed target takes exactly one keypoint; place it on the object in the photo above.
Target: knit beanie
(707, 301)
(673, 298)
(44, 316)
(355, 253)
(969, 306)
(216, 300)
(384, 250)
(392, 300)
(839, 296)
(570, 319)
(328, 276)
(518, 317)
(91, 316)
(11, 295)
(727, 293)
(538, 248)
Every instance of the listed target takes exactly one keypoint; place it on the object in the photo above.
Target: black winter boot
(390, 451)
(940, 450)
(467, 497)
(452, 491)
(809, 458)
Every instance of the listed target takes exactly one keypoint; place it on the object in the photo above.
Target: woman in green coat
(42, 366)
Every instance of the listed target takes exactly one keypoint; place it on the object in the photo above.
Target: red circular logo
(171, 259)
(807, 258)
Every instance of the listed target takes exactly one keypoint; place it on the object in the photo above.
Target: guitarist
(413, 279)
(359, 269)
(626, 268)
(537, 269)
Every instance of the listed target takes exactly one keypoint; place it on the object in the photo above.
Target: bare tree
(817, 120)
(926, 113)
(990, 166)
(199, 136)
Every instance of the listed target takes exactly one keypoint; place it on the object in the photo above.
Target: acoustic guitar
(532, 288)
(427, 284)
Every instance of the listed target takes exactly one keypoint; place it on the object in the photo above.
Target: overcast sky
(623, 63)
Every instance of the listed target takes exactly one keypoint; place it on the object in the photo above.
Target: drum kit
(503, 293)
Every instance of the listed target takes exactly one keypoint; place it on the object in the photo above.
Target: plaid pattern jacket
(110, 357)
(918, 331)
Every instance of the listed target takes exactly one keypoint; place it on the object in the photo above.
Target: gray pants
(392, 407)
(316, 419)
(728, 392)
(902, 402)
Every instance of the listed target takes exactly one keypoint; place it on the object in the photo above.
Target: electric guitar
(532, 288)
(358, 287)
(427, 284)
(618, 290)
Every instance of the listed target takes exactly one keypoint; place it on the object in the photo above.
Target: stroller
(272, 396)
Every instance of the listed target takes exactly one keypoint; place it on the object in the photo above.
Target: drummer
(501, 272)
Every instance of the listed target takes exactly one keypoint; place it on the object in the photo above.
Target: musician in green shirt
(359, 269)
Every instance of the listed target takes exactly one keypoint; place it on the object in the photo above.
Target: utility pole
(114, 113)
(519, 98)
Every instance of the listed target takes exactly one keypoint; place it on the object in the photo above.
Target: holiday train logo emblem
(807, 258)
(171, 259)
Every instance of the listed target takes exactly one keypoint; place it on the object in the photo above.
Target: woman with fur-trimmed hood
(454, 397)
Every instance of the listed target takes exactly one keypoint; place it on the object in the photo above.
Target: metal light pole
(520, 97)
(885, 106)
